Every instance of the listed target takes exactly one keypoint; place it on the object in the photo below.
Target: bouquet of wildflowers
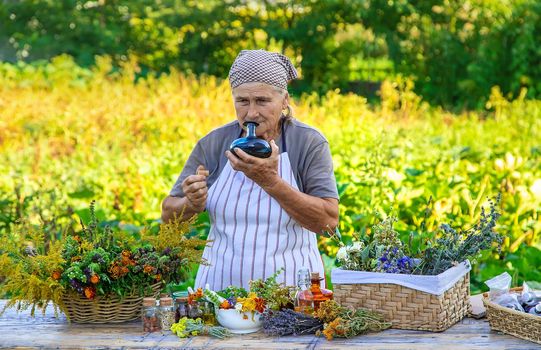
(95, 260)
(385, 252)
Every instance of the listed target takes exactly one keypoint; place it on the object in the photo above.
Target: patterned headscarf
(263, 67)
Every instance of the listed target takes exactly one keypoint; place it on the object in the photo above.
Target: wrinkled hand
(263, 171)
(196, 190)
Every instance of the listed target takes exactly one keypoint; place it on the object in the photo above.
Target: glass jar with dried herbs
(167, 313)
(150, 315)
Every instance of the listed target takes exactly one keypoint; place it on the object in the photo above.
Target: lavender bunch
(454, 246)
(289, 322)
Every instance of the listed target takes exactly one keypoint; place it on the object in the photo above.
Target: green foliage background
(455, 50)
(105, 99)
(69, 134)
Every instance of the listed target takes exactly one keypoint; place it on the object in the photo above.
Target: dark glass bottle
(252, 144)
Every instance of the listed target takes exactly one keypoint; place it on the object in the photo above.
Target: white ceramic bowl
(235, 322)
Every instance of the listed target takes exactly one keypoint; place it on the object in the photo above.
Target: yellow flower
(249, 303)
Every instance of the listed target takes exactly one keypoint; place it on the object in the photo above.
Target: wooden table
(46, 332)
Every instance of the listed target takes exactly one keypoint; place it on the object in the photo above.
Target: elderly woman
(264, 212)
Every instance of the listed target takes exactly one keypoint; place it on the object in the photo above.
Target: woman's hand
(263, 171)
(195, 189)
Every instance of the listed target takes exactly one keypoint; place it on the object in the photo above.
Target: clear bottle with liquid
(304, 300)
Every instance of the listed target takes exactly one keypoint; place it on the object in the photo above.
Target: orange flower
(195, 296)
(115, 271)
(259, 304)
(158, 277)
(225, 305)
(94, 279)
(328, 333)
(56, 275)
(334, 328)
(148, 269)
(124, 270)
(126, 258)
(90, 292)
(77, 238)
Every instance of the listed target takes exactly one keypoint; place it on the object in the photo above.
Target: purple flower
(393, 260)
(87, 272)
(75, 284)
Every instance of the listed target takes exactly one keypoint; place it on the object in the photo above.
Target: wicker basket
(509, 321)
(408, 308)
(106, 309)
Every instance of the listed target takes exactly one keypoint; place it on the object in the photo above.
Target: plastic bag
(499, 286)
(510, 301)
(530, 297)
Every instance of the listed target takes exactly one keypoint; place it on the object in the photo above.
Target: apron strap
(284, 148)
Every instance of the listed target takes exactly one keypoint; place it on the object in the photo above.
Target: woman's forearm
(316, 214)
(176, 206)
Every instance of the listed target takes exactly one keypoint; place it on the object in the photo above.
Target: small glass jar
(150, 315)
(208, 316)
(167, 313)
(194, 310)
(181, 308)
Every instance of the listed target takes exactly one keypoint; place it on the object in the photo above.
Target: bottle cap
(167, 301)
(315, 276)
(180, 294)
(149, 302)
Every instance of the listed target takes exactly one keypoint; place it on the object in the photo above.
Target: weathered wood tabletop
(46, 332)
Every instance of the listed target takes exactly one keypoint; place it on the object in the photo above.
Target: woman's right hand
(196, 190)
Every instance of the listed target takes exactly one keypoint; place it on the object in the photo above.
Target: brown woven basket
(111, 309)
(509, 321)
(408, 308)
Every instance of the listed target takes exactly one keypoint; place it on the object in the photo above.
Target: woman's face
(260, 103)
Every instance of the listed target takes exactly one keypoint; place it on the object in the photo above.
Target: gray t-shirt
(307, 148)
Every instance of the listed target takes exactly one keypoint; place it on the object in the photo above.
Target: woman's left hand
(263, 171)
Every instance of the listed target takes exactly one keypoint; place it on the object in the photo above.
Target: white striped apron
(252, 235)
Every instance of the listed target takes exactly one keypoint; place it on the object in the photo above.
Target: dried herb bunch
(453, 247)
(341, 322)
(289, 322)
(384, 252)
(277, 296)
